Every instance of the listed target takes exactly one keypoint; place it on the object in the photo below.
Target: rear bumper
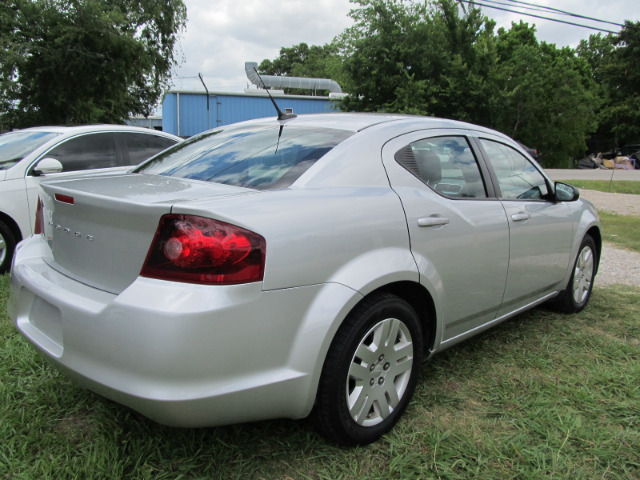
(181, 354)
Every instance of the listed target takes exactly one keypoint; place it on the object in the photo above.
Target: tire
(7, 246)
(370, 372)
(576, 296)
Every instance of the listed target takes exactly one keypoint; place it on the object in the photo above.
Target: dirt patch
(618, 267)
(620, 203)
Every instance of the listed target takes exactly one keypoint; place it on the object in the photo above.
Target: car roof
(361, 121)
(76, 129)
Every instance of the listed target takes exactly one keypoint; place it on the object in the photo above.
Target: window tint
(96, 150)
(517, 176)
(260, 158)
(143, 145)
(446, 164)
(14, 146)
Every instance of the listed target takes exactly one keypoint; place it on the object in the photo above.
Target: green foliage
(614, 61)
(84, 61)
(434, 58)
(543, 395)
(547, 96)
(420, 58)
(380, 56)
(622, 78)
(440, 59)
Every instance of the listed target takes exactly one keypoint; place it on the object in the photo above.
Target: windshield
(14, 146)
(259, 158)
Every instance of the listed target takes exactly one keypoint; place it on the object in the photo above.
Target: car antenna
(281, 114)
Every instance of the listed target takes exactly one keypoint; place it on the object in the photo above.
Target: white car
(282, 268)
(29, 154)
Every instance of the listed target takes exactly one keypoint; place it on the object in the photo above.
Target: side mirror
(46, 166)
(566, 193)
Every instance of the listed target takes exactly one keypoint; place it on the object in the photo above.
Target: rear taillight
(38, 228)
(188, 248)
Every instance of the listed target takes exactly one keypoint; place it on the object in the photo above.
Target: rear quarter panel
(356, 236)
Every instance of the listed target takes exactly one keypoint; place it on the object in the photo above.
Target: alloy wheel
(583, 275)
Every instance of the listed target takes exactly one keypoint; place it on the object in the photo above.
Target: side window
(96, 150)
(445, 164)
(517, 176)
(143, 145)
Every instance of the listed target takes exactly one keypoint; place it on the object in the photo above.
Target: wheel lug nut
(372, 367)
(386, 366)
(380, 380)
(381, 358)
(372, 382)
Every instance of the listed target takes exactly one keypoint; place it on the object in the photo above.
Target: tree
(85, 61)
(547, 95)
(8, 52)
(596, 52)
(435, 58)
(620, 114)
(421, 58)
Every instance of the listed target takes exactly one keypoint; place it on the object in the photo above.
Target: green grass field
(540, 396)
(621, 186)
(621, 230)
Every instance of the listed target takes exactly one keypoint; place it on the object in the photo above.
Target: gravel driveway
(617, 266)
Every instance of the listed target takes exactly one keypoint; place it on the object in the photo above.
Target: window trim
(483, 170)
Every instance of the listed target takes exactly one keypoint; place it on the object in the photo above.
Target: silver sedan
(287, 268)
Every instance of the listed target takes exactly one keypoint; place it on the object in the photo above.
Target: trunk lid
(100, 228)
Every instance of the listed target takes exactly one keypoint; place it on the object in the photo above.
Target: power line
(472, 2)
(539, 8)
(564, 12)
(543, 8)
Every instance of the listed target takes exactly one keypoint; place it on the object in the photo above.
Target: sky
(221, 35)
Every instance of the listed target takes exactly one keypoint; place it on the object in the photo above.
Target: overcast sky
(222, 35)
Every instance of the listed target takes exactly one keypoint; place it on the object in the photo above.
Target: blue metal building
(185, 113)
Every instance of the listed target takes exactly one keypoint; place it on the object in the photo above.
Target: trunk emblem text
(75, 234)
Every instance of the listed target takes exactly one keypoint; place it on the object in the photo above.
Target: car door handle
(520, 217)
(432, 221)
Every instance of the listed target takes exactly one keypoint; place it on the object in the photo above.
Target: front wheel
(576, 296)
(370, 371)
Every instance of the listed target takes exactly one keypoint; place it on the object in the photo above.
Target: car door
(84, 152)
(459, 233)
(540, 228)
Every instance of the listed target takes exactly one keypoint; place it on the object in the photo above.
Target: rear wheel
(370, 371)
(7, 246)
(576, 296)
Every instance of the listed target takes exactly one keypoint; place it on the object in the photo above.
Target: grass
(622, 186)
(622, 230)
(543, 395)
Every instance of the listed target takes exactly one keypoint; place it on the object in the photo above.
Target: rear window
(14, 146)
(260, 158)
